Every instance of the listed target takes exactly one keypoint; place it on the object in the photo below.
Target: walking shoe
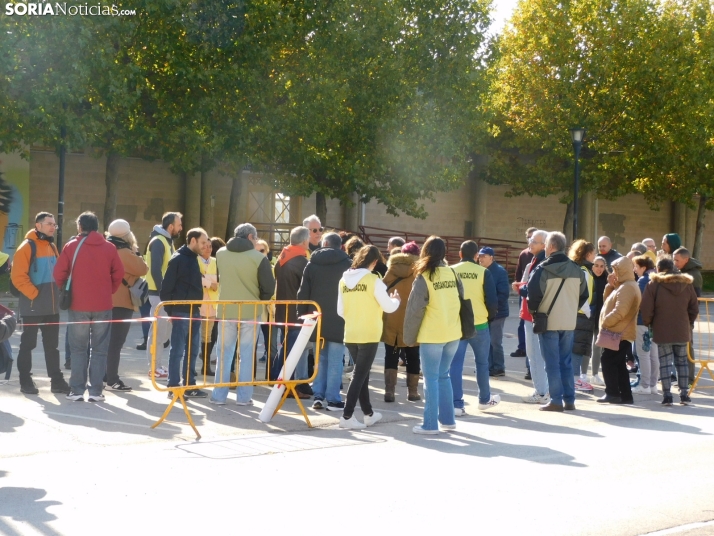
(28, 387)
(369, 420)
(528, 376)
(349, 368)
(119, 386)
(639, 390)
(335, 406)
(217, 402)
(263, 359)
(352, 423)
(459, 412)
(448, 427)
(75, 397)
(535, 398)
(59, 386)
(581, 385)
(249, 403)
(319, 403)
(684, 400)
(304, 388)
(496, 373)
(68, 364)
(550, 406)
(141, 346)
(569, 407)
(654, 390)
(667, 400)
(595, 379)
(421, 431)
(492, 403)
(607, 399)
(518, 353)
(96, 398)
(195, 393)
(167, 343)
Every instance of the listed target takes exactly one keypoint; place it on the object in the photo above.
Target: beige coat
(622, 302)
(134, 268)
(398, 265)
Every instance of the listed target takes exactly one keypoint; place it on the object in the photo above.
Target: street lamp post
(577, 135)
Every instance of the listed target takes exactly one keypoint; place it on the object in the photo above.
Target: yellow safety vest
(362, 313)
(590, 282)
(473, 279)
(441, 322)
(168, 251)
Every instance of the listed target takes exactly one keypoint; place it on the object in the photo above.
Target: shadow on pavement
(638, 422)
(509, 421)
(24, 506)
(9, 423)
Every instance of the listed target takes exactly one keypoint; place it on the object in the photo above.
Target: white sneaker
(217, 402)
(421, 431)
(654, 390)
(448, 427)
(639, 390)
(535, 398)
(249, 403)
(369, 420)
(459, 412)
(596, 380)
(492, 403)
(96, 398)
(352, 423)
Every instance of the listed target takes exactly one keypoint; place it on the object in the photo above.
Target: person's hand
(612, 279)
(395, 294)
(514, 286)
(214, 286)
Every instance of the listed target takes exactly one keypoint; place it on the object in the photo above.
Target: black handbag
(540, 320)
(466, 314)
(65, 292)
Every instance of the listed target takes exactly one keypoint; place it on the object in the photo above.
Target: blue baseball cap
(487, 251)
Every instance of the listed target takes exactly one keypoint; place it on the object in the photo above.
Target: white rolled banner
(276, 393)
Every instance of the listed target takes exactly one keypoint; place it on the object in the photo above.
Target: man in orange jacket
(39, 303)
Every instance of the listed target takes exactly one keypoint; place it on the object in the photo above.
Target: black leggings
(363, 356)
(117, 338)
(410, 354)
(614, 370)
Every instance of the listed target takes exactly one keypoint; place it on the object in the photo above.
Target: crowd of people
(579, 306)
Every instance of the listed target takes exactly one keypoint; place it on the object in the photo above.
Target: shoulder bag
(610, 339)
(65, 293)
(540, 320)
(466, 313)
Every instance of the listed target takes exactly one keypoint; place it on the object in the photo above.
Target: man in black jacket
(320, 283)
(182, 281)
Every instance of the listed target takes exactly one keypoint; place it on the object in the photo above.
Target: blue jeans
(480, 344)
(227, 338)
(577, 361)
(435, 364)
(496, 359)
(80, 336)
(540, 380)
(329, 372)
(179, 353)
(300, 372)
(557, 347)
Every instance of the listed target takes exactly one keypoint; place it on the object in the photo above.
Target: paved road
(75, 469)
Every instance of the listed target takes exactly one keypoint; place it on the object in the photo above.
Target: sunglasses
(318, 230)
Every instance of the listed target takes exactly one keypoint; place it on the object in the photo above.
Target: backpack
(33, 255)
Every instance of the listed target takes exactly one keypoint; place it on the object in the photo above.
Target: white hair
(299, 235)
(540, 234)
(313, 218)
(556, 240)
(244, 230)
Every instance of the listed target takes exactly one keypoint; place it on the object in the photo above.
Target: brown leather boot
(390, 383)
(413, 387)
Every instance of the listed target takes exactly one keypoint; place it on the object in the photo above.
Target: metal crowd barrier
(283, 386)
(703, 342)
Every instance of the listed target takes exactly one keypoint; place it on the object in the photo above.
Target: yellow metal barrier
(227, 313)
(703, 342)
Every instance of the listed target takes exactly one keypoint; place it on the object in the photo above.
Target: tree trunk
(112, 181)
(699, 230)
(207, 200)
(568, 223)
(234, 204)
(321, 207)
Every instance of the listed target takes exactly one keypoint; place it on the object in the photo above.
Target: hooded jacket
(670, 306)
(321, 284)
(155, 256)
(694, 268)
(97, 273)
(36, 283)
(503, 289)
(399, 266)
(622, 301)
(134, 268)
(288, 276)
(544, 284)
(182, 281)
(244, 273)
